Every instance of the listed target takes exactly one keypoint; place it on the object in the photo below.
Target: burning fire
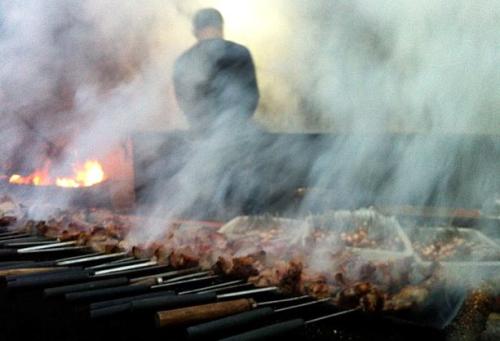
(86, 175)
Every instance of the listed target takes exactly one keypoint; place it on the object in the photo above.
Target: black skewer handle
(106, 293)
(228, 325)
(267, 332)
(112, 310)
(171, 302)
(48, 279)
(62, 290)
(163, 302)
(108, 303)
(17, 264)
(55, 271)
(31, 264)
(5, 243)
(4, 253)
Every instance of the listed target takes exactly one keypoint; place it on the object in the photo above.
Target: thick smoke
(87, 74)
(80, 74)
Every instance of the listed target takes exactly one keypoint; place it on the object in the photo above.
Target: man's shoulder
(236, 51)
(186, 59)
(238, 48)
(213, 49)
(186, 54)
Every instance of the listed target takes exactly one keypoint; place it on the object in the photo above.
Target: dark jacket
(215, 84)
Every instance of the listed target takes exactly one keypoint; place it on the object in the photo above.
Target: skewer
(45, 247)
(231, 287)
(196, 314)
(124, 268)
(251, 291)
(91, 258)
(94, 289)
(167, 282)
(285, 300)
(148, 293)
(15, 235)
(10, 233)
(173, 284)
(171, 302)
(40, 264)
(75, 274)
(55, 249)
(211, 288)
(286, 327)
(166, 275)
(326, 317)
(47, 252)
(8, 242)
(142, 287)
(123, 261)
(24, 244)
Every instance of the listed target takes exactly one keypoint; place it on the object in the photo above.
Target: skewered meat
(290, 280)
(351, 295)
(183, 258)
(451, 244)
(7, 221)
(290, 261)
(407, 298)
(241, 267)
(317, 286)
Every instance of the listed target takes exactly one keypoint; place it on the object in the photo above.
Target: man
(215, 82)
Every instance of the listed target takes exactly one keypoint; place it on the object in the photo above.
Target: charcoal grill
(86, 295)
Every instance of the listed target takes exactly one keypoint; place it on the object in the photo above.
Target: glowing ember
(89, 174)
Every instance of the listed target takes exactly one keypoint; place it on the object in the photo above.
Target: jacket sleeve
(183, 91)
(236, 82)
(251, 84)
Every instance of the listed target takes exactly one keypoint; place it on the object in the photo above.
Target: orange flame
(91, 173)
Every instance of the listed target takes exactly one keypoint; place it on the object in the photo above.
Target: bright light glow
(250, 21)
(89, 174)
(16, 179)
(238, 15)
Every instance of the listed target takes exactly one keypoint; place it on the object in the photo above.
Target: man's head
(208, 23)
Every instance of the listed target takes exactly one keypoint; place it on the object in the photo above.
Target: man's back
(215, 84)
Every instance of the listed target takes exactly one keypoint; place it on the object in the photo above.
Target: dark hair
(207, 17)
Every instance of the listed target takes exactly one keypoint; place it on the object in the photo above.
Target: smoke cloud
(86, 75)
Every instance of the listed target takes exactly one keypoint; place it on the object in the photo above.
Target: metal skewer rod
(181, 278)
(10, 233)
(326, 317)
(285, 300)
(124, 268)
(211, 288)
(237, 286)
(163, 275)
(79, 256)
(247, 292)
(26, 239)
(299, 305)
(124, 260)
(49, 246)
(91, 258)
(186, 281)
(115, 262)
(15, 236)
(28, 243)
(285, 327)
(56, 249)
